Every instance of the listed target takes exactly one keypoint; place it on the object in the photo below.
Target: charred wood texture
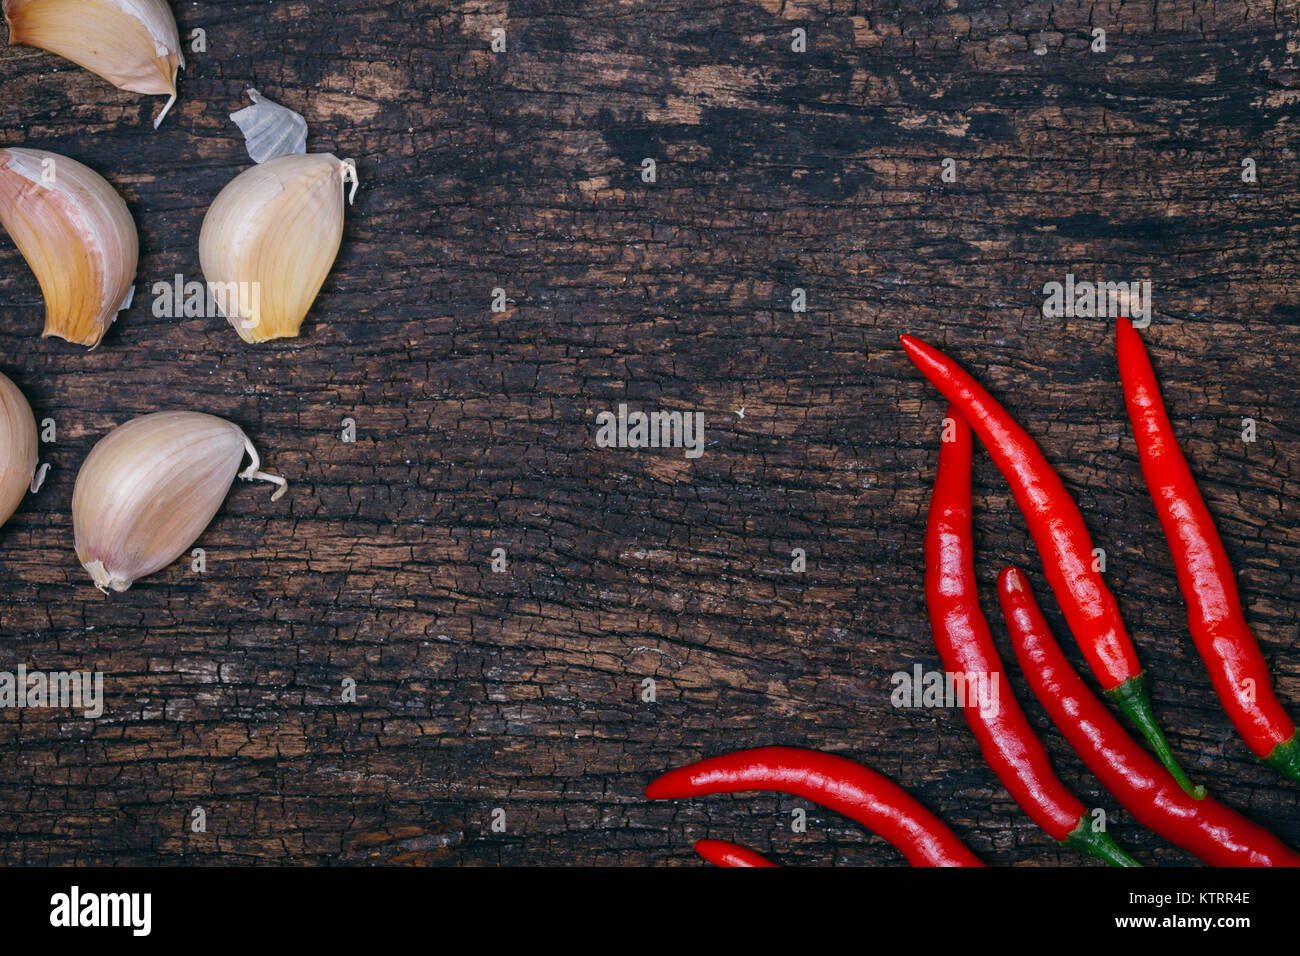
(522, 170)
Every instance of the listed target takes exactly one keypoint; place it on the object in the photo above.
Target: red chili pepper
(965, 646)
(1230, 651)
(722, 853)
(1218, 835)
(1061, 537)
(848, 788)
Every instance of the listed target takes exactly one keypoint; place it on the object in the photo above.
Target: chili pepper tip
(722, 853)
(837, 783)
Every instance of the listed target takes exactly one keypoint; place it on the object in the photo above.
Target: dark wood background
(820, 170)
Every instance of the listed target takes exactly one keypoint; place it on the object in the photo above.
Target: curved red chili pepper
(1061, 537)
(1218, 835)
(837, 783)
(965, 645)
(1214, 618)
(722, 853)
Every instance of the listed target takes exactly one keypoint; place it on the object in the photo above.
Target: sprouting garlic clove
(270, 238)
(148, 489)
(134, 44)
(76, 233)
(17, 448)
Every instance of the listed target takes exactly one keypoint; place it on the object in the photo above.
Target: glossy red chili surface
(722, 853)
(839, 784)
(1063, 542)
(965, 645)
(1213, 832)
(1205, 576)
(1053, 518)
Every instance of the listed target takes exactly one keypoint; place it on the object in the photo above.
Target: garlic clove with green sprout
(148, 489)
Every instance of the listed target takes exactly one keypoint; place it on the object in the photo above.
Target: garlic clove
(148, 489)
(270, 238)
(78, 236)
(17, 448)
(134, 44)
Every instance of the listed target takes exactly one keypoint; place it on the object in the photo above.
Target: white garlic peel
(17, 448)
(148, 489)
(134, 44)
(270, 238)
(269, 129)
(77, 235)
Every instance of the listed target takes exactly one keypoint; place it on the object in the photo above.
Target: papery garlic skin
(76, 233)
(269, 129)
(270, 238)
(18, 447)
(134, 44)
(148, 489)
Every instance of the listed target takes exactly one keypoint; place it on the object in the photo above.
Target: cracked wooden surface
(522, 691)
